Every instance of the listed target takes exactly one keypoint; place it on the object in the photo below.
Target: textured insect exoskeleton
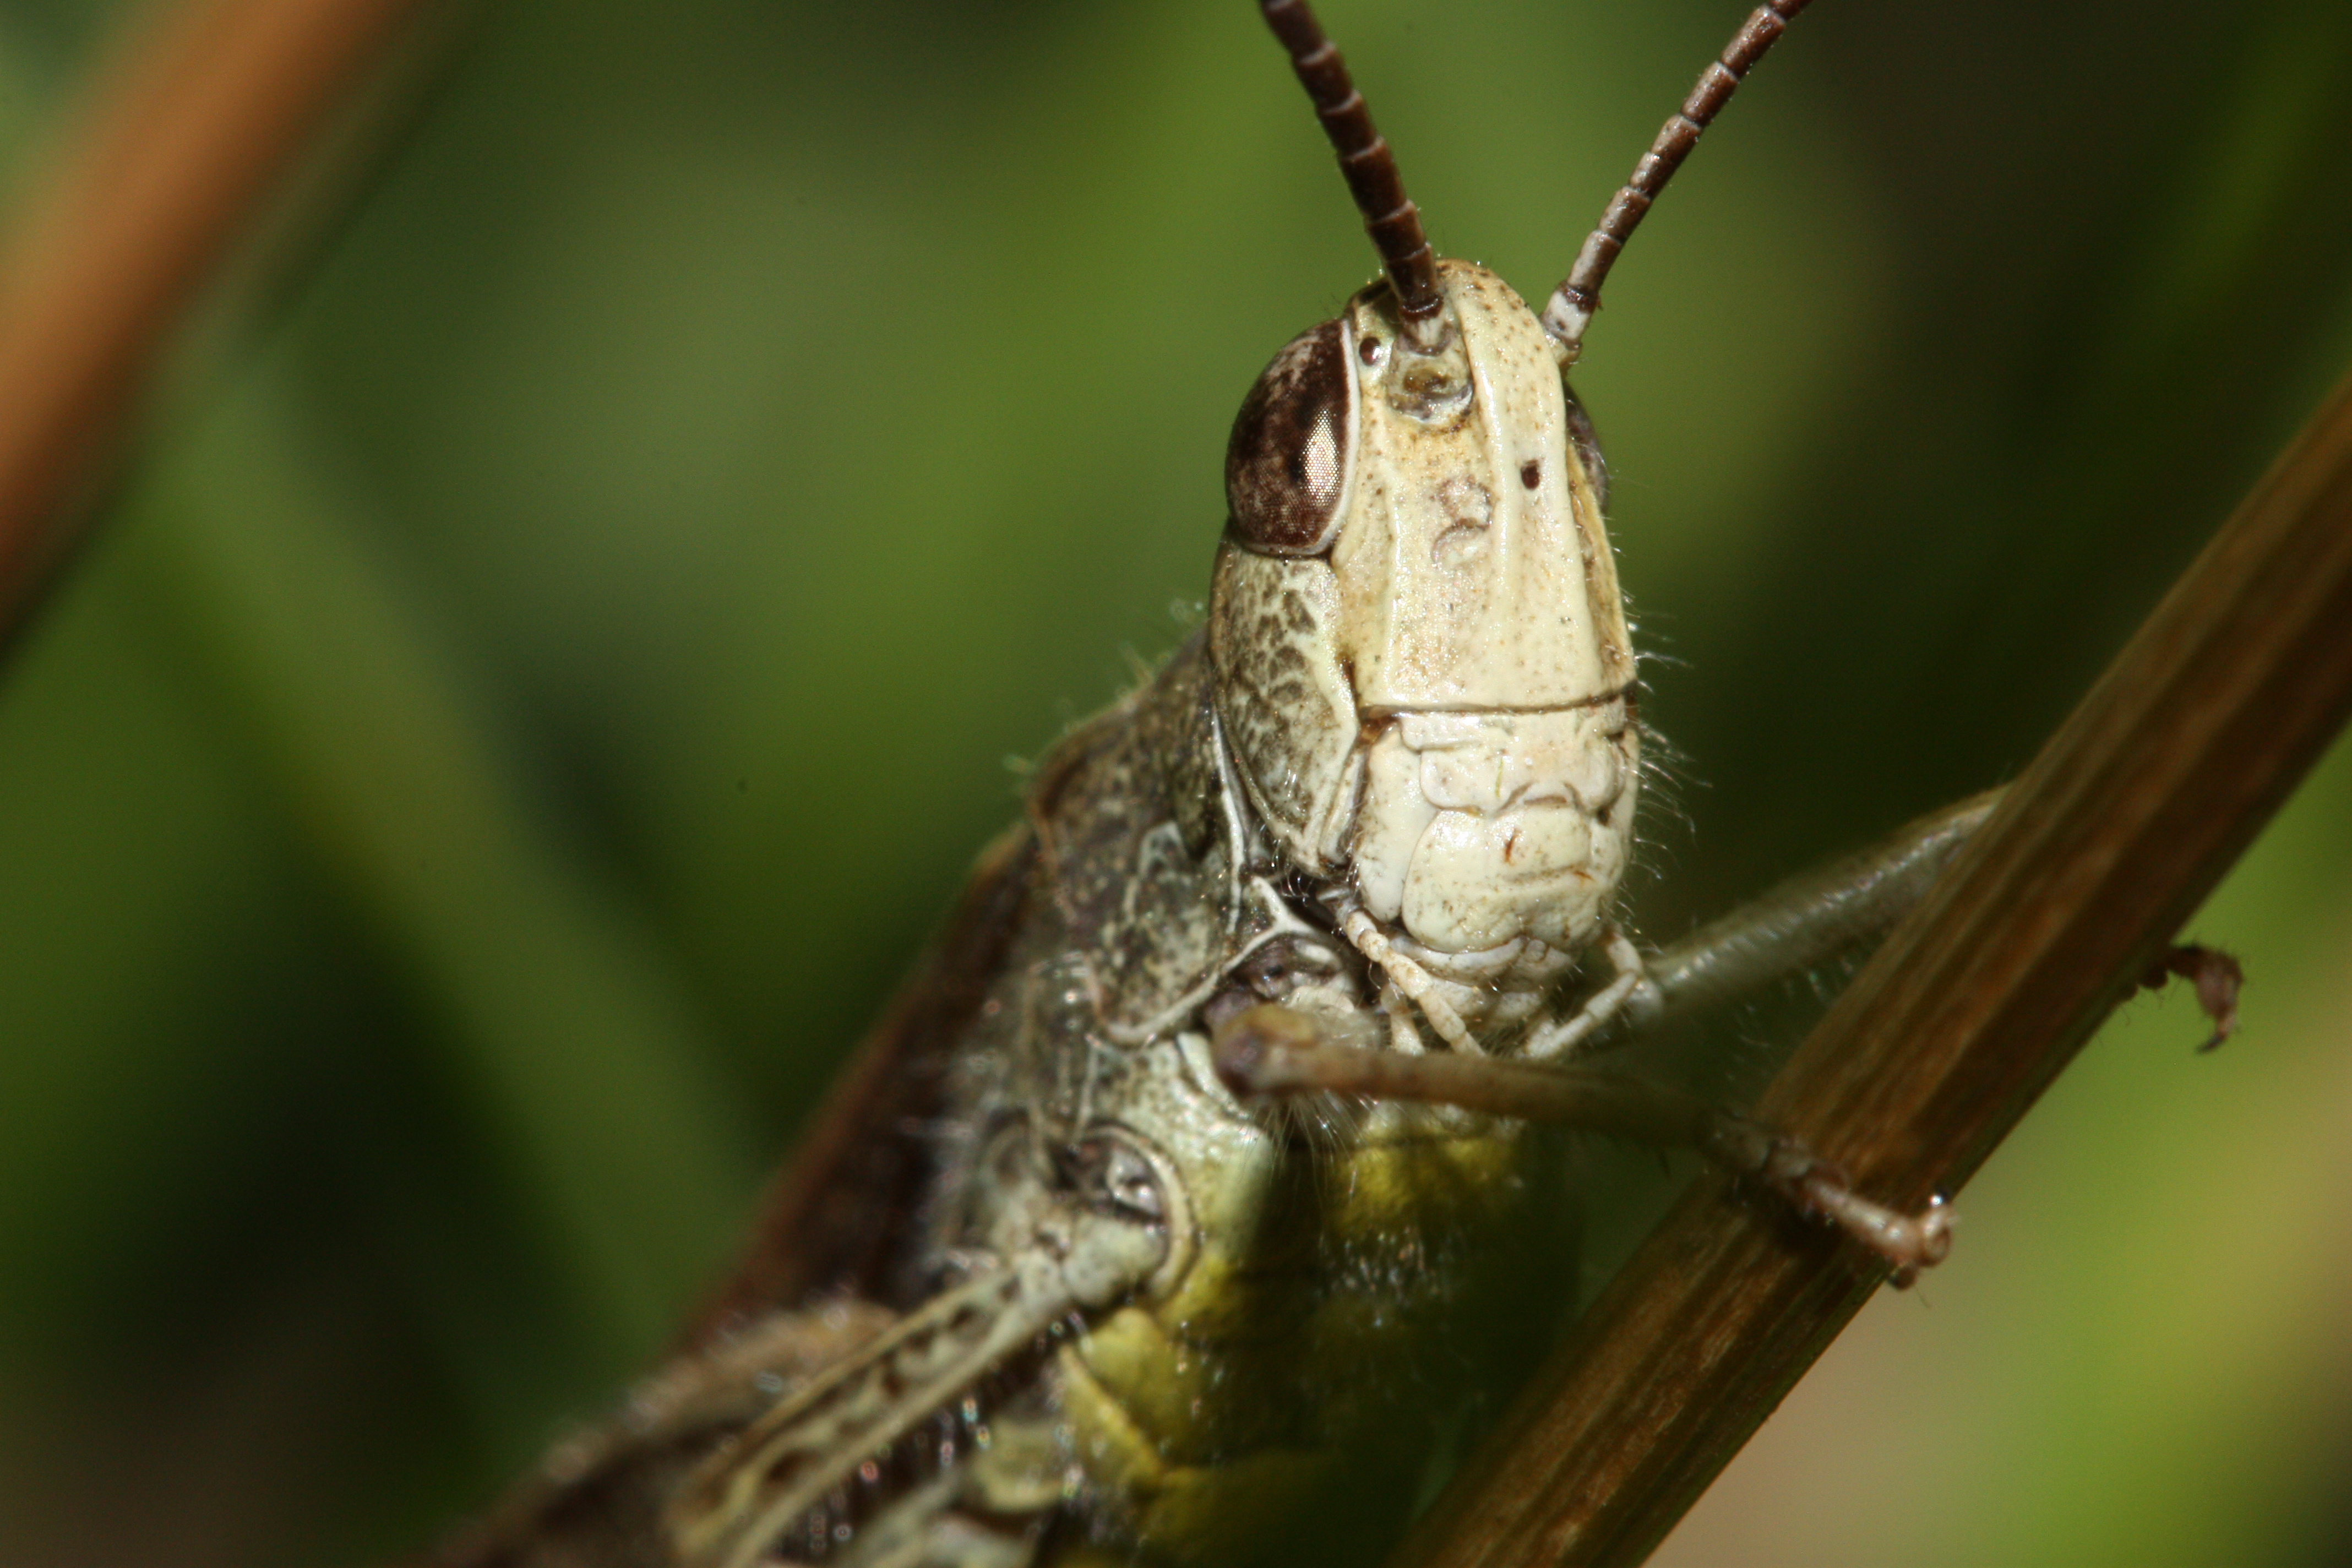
(1421, 655)
(1181, 1186)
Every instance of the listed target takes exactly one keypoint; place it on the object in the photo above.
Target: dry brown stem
(2148, 792)
(179, 140)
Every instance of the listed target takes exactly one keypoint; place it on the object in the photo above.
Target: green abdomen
(1281, 1402)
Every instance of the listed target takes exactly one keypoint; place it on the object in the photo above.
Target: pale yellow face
(1424, 665)
(1473, 571)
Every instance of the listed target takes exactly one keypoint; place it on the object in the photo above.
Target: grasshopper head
(1422, 659)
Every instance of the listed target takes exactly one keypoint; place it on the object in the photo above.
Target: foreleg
(1271, 1049)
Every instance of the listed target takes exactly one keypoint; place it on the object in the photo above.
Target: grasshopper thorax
(1422, 661)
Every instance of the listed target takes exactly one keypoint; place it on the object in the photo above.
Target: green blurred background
(558, 645)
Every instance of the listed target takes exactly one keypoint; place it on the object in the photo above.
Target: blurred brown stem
(181, 140)
(2107, 842)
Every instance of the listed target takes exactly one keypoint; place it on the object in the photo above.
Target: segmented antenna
(1570, 309)
(1393, 221)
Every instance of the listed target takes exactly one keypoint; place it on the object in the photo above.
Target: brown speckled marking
(1283, 696)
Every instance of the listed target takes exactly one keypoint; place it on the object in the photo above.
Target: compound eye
(1293, 444)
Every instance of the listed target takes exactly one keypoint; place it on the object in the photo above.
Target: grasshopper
(1218, 1085)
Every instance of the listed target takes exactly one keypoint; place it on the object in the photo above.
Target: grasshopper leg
(1272, 1051)
(1808, 920)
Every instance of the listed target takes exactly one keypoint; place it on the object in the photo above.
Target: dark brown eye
(1286, 466)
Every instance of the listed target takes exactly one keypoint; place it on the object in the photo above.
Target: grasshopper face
(1421, 653)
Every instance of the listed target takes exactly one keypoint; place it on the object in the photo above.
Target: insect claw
(1821, 1188)
(2218, 978)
